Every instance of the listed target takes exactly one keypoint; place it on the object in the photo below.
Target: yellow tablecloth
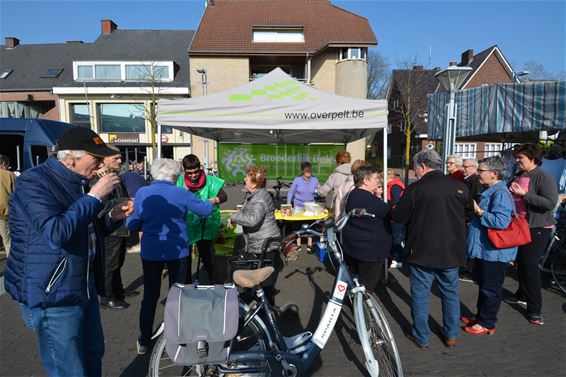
(301, 217)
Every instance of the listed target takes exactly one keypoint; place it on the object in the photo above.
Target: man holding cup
(56, 264)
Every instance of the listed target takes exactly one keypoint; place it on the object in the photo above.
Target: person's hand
(121, 210)
(229, 224)
(476, 207)
(105, 185)
(516, 189)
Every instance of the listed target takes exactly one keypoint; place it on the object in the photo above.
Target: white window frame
(122, 64)
(278, 36)
(466, 150)
(349, 57)
(492, 149)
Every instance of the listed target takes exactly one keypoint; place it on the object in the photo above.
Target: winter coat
(334, 181)
(497, 204)
(435, 209)
(49, 220)
(257, 217)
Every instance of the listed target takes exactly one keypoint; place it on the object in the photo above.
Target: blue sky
(435, 32)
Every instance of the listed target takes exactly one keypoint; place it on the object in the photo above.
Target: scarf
(200, 183)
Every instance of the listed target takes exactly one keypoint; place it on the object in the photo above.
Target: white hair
(472, 161)
(165, 169)
(457, 159)
(66, 154)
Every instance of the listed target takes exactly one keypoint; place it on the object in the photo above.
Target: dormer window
(354, 53)
(123, 71)
(278, 34)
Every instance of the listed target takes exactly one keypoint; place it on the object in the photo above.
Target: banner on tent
(279, 160)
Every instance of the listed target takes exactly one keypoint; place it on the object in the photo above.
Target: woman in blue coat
(494, 210)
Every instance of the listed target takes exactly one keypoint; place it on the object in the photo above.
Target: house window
(355, 53)
(492, 149)
(4, 74)
(396, 103)
(465, 150)
(273, 35)
(146, 72)
(123, 71)
(51, 73)
(121, 117)
(79, 114)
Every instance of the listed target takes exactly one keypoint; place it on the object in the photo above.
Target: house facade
(109, 85)
(314, 41)
(409, 88)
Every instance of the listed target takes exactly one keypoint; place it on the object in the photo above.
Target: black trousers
(528, 258)
(369, 273)
(206, 253)
(115, 257)
(490, 277)
(152, 271)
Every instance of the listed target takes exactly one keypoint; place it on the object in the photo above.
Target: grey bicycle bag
(200, 323)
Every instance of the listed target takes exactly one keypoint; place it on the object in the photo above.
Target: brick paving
(517, 349)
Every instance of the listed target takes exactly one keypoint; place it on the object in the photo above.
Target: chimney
(108, 26)
(12, 42)
(452, 64)
(417, 68)
(467, 57)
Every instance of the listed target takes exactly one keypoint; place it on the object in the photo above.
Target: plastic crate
(320, 252)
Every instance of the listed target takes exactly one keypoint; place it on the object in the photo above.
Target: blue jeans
(70, 338)
(421, 283)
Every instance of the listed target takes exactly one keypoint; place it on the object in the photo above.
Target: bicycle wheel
(558, 267)
(380, 349)
(250, 338)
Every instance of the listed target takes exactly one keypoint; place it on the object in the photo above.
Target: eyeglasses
(467, 166)
(482, 170)
(449, 162)
(192, 172)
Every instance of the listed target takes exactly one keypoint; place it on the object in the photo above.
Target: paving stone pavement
(517, 349)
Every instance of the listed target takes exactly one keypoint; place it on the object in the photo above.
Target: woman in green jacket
(203, 230)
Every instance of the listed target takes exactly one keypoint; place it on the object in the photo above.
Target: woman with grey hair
(454, 167)
(160, 210)
(494, 210)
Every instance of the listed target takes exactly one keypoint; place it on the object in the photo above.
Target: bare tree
(410, 85)
(537, 71)
(378, 75)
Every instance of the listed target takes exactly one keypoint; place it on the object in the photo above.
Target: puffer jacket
(257, 218)
(333, 183)
(49, 219)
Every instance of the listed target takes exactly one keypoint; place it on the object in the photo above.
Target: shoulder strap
(510, 196)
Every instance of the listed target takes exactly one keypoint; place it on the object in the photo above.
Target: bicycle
(277, 188)
(555, 258)
(261, 350)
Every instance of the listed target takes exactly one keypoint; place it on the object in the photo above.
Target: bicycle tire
(249, 338)
(558, 267)
(379, 347)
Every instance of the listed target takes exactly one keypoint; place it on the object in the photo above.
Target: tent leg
(158, 141)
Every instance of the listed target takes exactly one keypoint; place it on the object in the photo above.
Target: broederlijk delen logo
(275, 91)
(237, 160)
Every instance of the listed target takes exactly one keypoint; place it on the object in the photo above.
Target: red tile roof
(227, 26)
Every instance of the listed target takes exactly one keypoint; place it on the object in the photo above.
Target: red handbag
(516, 234)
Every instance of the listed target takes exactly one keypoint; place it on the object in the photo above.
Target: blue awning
(501, 108)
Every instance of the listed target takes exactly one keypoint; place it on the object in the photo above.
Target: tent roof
(275, 109)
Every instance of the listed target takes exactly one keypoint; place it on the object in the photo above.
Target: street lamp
(204, 82)
(451, 79)
(516, 76)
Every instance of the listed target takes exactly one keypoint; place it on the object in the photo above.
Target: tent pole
(385, 198)
(158, 140)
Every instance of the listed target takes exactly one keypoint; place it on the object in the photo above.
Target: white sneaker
(140, 349)
(395, 264)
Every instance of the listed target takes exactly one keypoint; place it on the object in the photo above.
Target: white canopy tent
(275, 109)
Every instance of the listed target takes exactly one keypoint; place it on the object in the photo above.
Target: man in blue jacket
(56, 265)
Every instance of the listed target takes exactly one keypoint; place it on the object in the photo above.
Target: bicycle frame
(297, 354)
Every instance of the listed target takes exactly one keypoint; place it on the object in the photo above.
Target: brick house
(314, 41)
(488, 67)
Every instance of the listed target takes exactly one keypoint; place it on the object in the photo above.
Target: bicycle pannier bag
(200, 323)
(516, 234)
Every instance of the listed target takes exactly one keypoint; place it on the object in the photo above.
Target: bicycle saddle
(251, 278)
